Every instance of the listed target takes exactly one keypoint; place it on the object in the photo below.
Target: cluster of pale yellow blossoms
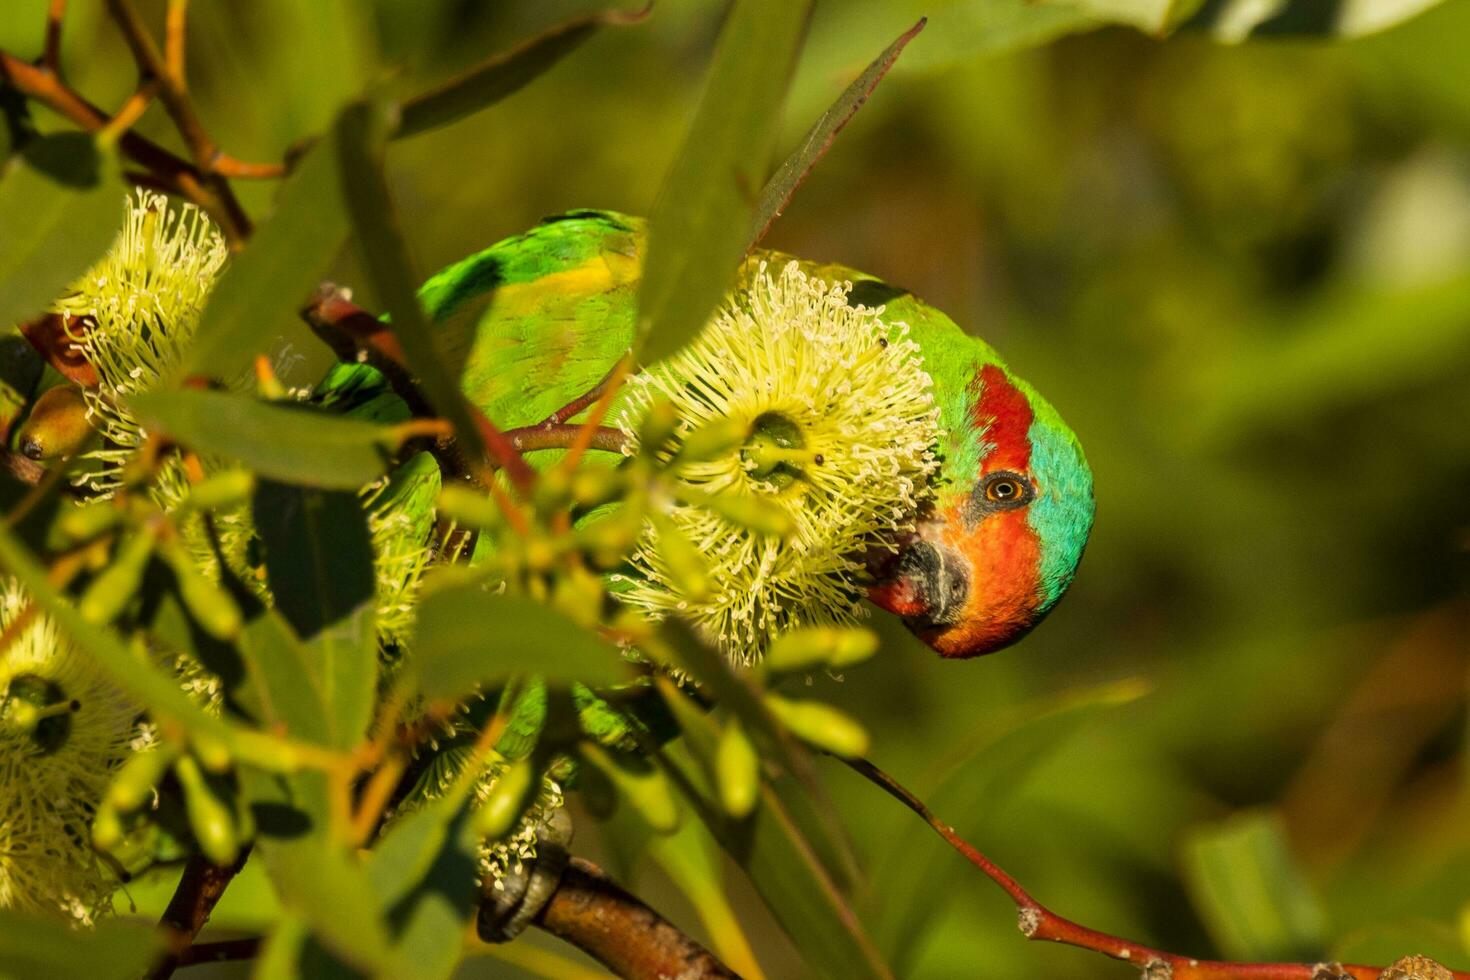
(843, 427)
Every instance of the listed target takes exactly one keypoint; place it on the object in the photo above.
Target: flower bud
(509, 797)
(469, 507)
(821, 725)
(221, 491)
(211, 606)
(111, 590)
(737, 768)
(209, 817)
(821, 646)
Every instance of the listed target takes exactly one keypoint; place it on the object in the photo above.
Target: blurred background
(1241, 272)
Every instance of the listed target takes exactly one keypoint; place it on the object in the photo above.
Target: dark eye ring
(1007, 490)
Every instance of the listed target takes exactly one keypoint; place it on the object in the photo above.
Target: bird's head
(1001, 542)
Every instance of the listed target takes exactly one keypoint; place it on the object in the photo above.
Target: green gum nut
(469, 507)
(553, 489)
(210, 818)
(821, 725)
(686, 564)
(509, 798)
(639, 782)
(210, 605)
(821, 646)
(111, 590)
(89, 520)
(607, 541)
(132, 787)
(737, 769)
(57, 426)
(222, 491)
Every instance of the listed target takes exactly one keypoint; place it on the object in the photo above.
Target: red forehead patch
(1003, 414)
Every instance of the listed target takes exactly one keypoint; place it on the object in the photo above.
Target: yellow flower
(63, 729)
(134, 313)
(841, 427)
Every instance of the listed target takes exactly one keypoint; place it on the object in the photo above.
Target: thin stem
(51, 59)
(175, 99)
(174, 31)
(1040, 923)
(162, 170)
(132, 110)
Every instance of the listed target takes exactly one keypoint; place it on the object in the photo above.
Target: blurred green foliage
(1242, 273)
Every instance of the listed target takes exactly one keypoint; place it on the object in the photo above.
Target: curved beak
(926, 583)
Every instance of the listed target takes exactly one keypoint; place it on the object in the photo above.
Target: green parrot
(543, 316)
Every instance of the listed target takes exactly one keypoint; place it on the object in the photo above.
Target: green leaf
(359, 136)
(35, 946)
(286, 689)
(60, 208)
(319, 882)
(467, 636)
(264, 287)
(788, 177)
(795, 783)
(319, 562)
(287, 441)
(502, 74)
(698, 228)
(1249, 892)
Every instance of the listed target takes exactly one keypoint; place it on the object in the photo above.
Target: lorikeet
(544, 315)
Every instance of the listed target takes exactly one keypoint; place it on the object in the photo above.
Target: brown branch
(1040, 923)
(563, 436)
(162, 170)
(590, 911)
(171, 89)
(199, 890)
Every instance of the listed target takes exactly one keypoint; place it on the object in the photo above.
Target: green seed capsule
(510, 796)
(222, 491)
(821, 725)
(821, 646)
(552, 490)
(738, 770)
(209, 817)
(210, 605)
(88, 521)
(133, 785)
(111, 590)
(469, 507)
(57, 425)
(686, 564)
(640, 783)
(713, 440)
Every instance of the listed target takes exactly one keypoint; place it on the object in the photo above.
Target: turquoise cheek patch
(1062, 513)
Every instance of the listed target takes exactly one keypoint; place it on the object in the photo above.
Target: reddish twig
(591, 912)
(577, 405)
(563, 436)
(1040, 923)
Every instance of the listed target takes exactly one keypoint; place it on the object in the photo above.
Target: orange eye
(1002, 491)
(1005, 490)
